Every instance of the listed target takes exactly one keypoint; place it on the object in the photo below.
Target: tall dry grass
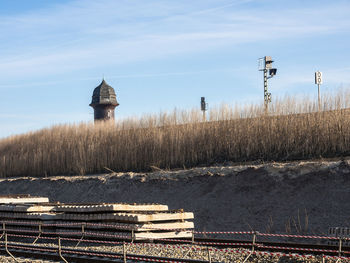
(292, 130)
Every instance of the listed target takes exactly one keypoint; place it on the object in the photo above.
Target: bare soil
(295, 197)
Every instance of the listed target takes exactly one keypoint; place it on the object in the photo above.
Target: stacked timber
(108, 220)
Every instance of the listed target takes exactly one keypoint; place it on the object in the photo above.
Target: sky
(162, 54)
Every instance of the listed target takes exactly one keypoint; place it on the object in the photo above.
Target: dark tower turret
(104, 102)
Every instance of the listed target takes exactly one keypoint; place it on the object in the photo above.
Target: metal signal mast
(265, 65)
(204, 107)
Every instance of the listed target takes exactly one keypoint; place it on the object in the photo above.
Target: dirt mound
(293, 197)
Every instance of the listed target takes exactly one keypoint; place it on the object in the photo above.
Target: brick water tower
(104, 102)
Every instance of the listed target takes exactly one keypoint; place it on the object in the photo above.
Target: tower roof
(104, 94)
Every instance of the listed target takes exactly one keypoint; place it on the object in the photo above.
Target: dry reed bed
(181, 139)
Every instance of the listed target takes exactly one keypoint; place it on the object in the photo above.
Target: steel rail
(260, 245)
(213, 242)
(81, 255)
(263, 245)
(223, 245)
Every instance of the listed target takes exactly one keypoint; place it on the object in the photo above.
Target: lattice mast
(265, 65)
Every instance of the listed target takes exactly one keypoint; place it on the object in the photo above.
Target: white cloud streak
(78, 35)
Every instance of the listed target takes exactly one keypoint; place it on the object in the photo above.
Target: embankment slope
(277, 197)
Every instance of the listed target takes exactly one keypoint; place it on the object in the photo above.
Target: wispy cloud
(40, 116)
(120, 76)
(75, 36)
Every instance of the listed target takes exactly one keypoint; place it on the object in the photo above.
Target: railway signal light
(318, 82)
(318, 77)
(204, 107)
(265, 65)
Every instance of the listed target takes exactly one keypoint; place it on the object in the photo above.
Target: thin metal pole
(209, 256)
(253, 248)
(37, 238)
(266, 99)
(254, 241)
(319, 98)
(7, 250)
(192, 242)
(340, 247)
(3, 230)
(124, 252)
(60, 250)
(250, 254)
(82, 234)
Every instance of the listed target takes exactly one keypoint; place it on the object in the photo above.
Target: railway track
(285, 247)
(279, 247)
(75, 235)
(81, 255)
(41, 251)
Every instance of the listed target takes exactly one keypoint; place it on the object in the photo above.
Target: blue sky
(161, 54)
